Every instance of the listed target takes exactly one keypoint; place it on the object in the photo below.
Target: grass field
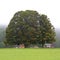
(29, 54)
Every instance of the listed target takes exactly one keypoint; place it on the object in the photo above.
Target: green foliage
(29, 27)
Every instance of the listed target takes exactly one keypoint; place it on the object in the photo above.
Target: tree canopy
(29, 27)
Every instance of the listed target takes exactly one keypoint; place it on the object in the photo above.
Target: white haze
(51, 8)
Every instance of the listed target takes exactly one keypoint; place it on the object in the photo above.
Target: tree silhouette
(29, 27)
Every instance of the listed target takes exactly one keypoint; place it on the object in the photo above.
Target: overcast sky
(51, 8)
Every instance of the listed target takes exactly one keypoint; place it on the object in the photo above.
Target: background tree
(2, 35)
(29, 27)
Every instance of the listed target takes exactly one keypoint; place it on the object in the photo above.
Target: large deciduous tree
(29, 27)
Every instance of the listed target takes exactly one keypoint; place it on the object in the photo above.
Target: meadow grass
(30, 54)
